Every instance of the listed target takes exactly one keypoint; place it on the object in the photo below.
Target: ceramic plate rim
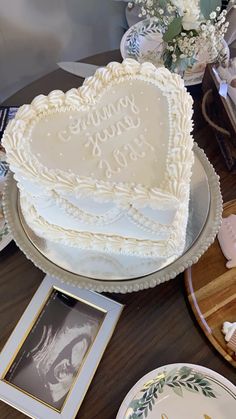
(190, 80)
(193, 80)
(199, 368)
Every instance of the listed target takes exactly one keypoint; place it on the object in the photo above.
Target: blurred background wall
(36, 34)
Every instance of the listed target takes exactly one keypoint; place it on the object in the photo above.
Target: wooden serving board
(211, 290)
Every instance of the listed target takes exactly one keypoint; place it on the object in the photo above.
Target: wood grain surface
(157, 326)
(212, 296)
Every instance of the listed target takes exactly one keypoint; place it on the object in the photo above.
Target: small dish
(180, 391)
(143, 42)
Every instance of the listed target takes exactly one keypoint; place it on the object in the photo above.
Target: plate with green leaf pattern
(144, 42)
(180, 391)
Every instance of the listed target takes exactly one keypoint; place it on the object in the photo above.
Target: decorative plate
(5, 236)
(180, 391)
(143, 42)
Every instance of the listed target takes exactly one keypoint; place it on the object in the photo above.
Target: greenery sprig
(178, 380)
(188, 27)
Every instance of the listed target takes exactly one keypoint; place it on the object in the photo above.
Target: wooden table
(157, 326)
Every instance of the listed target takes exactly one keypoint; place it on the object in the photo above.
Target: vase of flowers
(189, 29)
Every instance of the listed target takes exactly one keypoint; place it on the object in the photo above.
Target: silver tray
(119, 273)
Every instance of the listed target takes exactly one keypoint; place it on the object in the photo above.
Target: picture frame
(49, 361)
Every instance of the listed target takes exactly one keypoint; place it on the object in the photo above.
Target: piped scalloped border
(180, 158)
(204, 240)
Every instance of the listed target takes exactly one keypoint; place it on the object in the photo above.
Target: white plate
(180, 391)
(143, 42)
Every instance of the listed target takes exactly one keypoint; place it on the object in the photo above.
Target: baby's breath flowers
(188, 27)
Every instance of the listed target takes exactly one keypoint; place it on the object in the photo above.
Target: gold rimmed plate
(180, 391)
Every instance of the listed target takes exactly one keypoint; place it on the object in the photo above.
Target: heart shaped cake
(107, 166)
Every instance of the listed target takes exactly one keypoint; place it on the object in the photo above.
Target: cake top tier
(123, 136)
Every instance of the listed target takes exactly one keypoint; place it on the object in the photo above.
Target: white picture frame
(72, 328)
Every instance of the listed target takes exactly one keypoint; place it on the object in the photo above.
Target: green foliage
(208, 6)
(162, 4)
(179, 381)
(173, 29)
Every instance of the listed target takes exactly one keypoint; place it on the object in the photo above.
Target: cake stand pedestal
(118, 273)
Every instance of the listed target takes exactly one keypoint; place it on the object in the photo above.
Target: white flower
(183, 5)
(190, 20)
(211, 29)
(161, 11)
(213, 15)
(169, 8)
(190, 11)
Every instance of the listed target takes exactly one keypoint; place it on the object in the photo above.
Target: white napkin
(228, 79)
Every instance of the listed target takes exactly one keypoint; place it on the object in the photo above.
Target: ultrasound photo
(55, 349)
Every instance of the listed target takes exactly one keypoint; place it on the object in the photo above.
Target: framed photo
(49, 360)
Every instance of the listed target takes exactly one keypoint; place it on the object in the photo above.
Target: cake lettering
(141, 141)
(112, 131)
(133, 154)
(122, 156)
(104, 164)
(93, 137)
(96, 117)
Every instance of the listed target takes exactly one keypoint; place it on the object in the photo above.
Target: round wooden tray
(211, 289)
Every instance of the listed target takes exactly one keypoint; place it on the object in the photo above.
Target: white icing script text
(97, 116)
(113, 130)
(94, 130)
(125, 154)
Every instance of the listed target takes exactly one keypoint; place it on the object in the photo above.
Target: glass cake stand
(118, 273)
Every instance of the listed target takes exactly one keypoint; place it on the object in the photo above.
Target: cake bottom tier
(171, 246)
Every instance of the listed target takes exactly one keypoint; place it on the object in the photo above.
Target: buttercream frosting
(110, 161)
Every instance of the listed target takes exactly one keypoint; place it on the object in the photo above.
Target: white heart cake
(107, 166)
